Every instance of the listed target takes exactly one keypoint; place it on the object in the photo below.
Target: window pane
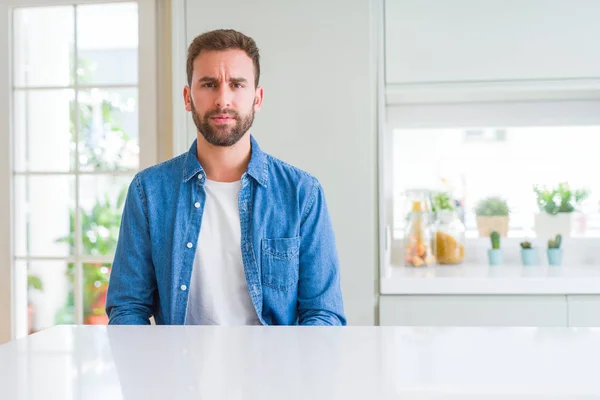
(95, 285)
(49, 294)
(102, 198)
(108, 134)
(43, 130)
(43, 46)
(476, 163)
(44, 217)
(107, 44)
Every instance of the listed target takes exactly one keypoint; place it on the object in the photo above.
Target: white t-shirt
(218, 293)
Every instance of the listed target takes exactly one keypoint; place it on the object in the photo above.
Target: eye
(209, 85)
(238, 85)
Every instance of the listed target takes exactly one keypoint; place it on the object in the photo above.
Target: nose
(223, 99)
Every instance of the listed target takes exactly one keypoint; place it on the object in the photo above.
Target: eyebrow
(213, 79)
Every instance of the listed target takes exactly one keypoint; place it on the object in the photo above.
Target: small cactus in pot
(495, 253)
(528, 254)
(555, 243)
(554, 251)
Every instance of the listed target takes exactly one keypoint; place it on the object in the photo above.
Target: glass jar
(418, 234)
(450, 238)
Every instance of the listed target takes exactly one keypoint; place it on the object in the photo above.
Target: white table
(158, 362)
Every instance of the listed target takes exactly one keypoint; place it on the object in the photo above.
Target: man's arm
(319, 294)
(132, 281)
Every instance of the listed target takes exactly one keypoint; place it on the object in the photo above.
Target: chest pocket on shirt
(280, 262)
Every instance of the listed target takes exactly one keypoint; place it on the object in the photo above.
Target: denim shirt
(287, 242)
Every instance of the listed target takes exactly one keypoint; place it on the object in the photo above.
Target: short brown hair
(219, 40)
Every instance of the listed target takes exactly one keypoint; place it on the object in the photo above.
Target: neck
(224, 164)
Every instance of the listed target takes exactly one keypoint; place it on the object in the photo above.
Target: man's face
(222, 97)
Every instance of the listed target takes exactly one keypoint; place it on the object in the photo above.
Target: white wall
(319, 114)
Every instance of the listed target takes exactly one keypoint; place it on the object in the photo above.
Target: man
(225, 234)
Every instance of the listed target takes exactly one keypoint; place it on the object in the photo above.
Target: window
(473, 164)
(78, 140)
(478, 150)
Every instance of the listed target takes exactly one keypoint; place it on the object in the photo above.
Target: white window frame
(148, 139)
(181, 119)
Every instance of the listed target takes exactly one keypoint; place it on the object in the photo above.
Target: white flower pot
(548, 226)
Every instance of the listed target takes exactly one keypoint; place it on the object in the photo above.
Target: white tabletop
(485, 279)
(159, 362)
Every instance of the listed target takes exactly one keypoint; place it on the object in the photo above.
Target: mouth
(222, 119)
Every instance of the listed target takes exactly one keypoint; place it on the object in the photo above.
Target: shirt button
(189, 245)
(200, 176)
(197, 205)
(183, 287)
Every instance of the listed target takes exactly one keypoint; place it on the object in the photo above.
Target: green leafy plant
(560, 199)
(100, 230)
(555, 243)
(442, 201)
(492, 207)
(526, 245)
(495, 238)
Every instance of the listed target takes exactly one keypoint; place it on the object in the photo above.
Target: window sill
(485, 279)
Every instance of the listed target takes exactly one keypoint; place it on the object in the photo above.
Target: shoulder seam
(142, 197)
(313, 197)
(167, 161)
(277, 160)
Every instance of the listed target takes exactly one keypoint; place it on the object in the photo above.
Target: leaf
(442, 201)
(34, 281)
(492, 206)
(559, 199)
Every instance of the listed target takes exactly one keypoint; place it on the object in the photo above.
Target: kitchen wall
(319, 73)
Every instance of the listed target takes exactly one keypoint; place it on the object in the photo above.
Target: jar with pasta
(449, 238)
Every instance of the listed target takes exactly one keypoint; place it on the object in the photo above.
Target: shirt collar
(257, 167)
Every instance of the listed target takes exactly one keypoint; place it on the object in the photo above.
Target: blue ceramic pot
(554, 256)
(495, 256)
(529, 256)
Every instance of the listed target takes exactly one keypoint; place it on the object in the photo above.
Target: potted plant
(495, 253)
(556, 206)
(33, 283)
(492, 215)
(442, 201)
(554, 250)
(528, 254)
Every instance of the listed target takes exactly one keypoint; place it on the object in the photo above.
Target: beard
(222, 135)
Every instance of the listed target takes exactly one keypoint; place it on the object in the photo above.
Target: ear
(258, 98)
(187, 98)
